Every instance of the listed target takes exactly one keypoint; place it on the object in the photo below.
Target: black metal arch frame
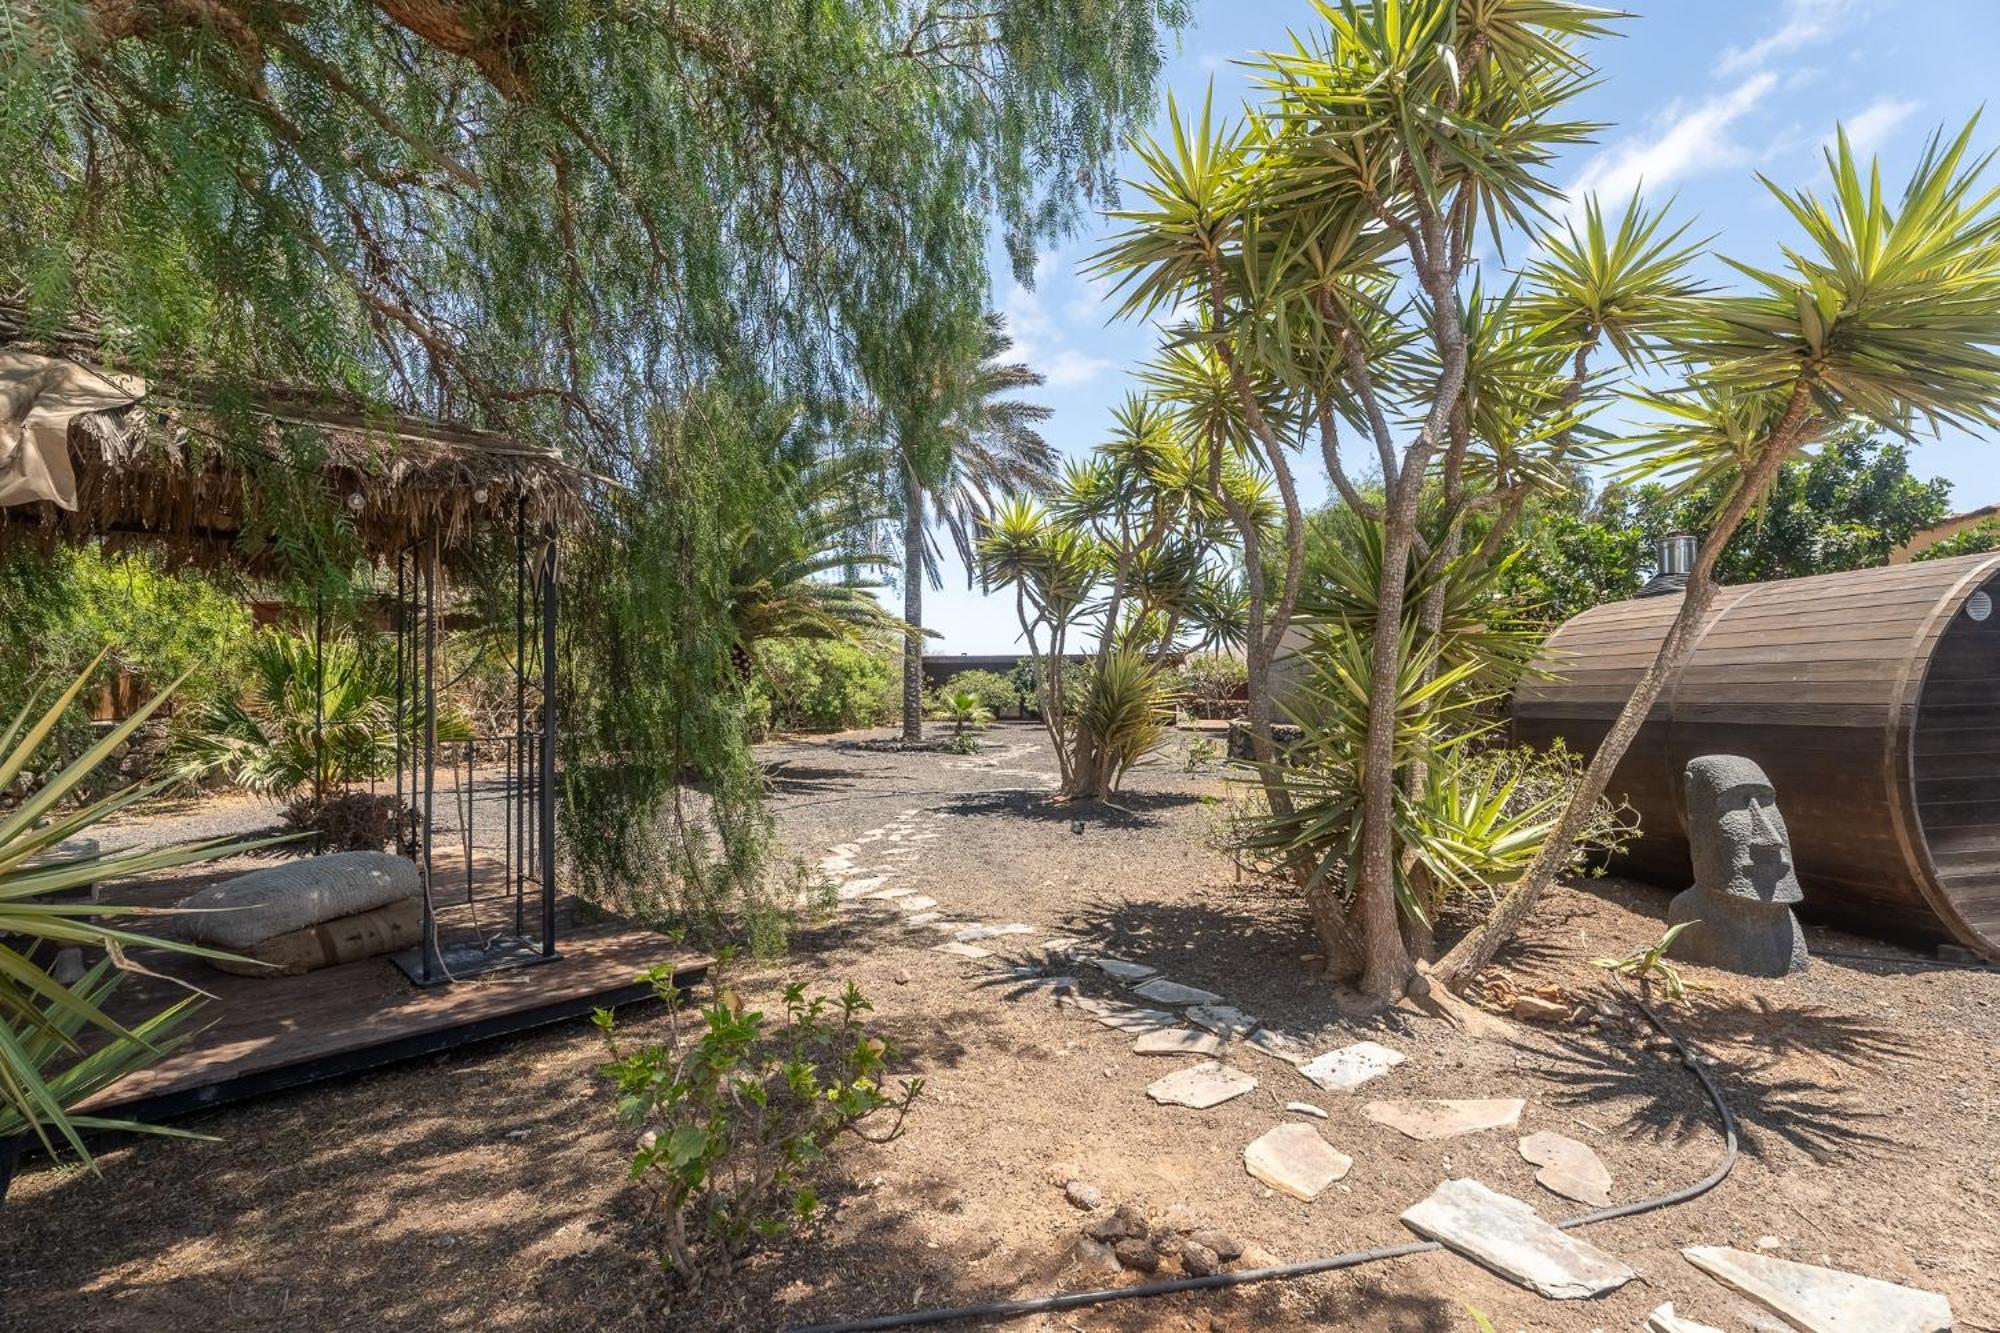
(458, 940)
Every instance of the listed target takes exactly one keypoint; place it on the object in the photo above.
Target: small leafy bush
(814, 685)
(962, 708)
(734, 1110)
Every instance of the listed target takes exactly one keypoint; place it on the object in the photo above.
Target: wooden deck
(268, 1033)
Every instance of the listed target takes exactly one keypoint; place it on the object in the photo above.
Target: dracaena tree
(1133, 547)
(1327, 243)
(1886, 310)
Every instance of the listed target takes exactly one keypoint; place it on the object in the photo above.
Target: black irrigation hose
(1352, 1259)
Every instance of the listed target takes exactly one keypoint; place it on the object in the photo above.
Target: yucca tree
(1885, 311)
(960, 441)
(45, 1069)
(1327, 243)
(1135, 548)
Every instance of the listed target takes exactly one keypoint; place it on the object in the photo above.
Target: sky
(1699, 97)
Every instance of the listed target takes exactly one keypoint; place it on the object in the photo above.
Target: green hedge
(800, 685)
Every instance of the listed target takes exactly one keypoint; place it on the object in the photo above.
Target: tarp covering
(39, 397)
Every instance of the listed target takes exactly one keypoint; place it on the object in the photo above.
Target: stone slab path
(1201, 1086)
(1823, 1300)
(1293, 1159)
(1446, 1118)
(1508, 1236)
(1346, 1068)
(1569, 1168)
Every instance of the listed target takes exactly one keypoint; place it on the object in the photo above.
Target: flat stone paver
(1161, 991)
(1224, 1020)
(1823, 1300)
(889, 894)
(860, 888)
(1276, 1045)
(1447, 1118)
(1506, 1235)
(1346, 1068)
(1178, 1041)
(1662, 1319)
(962, 950)
(923, 918)
(972, 933)
(1293, 1159)
(1122, 970)
(916, 902)
(1132, 1018)
(1569, 1168)
(1201, 1086)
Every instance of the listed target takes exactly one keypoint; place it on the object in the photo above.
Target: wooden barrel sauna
(1872, 698)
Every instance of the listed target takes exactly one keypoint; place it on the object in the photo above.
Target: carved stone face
(1735, 833)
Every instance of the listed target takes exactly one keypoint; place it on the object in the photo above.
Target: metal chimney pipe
(1677, 551)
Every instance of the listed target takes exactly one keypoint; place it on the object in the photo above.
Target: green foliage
(735, 1112)
(1574, 553)
(1650, 964)
(1211, 684)
(1124, 714)
(821, 686)
(1976, 540)
(304, 719)
(1139, 520)
(529, 214)
(996, 693)
(1847, 505)
(661, 796)
(63, 607)
(814, 517)
(963, 708)
(44, 1065)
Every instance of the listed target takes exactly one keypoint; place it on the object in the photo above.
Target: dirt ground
(486, 1189)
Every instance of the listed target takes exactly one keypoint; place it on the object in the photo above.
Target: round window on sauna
(1979, 606)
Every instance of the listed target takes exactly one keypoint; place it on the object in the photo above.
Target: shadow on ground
(1131, 810)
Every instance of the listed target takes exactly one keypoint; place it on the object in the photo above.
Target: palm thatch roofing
(160, 469)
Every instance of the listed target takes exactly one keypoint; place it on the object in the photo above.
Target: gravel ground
(484, 1190)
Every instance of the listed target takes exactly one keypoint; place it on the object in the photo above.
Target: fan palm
(966, 443)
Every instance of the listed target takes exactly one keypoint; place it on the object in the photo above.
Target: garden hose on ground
(1353, 1259)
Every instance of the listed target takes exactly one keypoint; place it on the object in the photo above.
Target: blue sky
(1699, 95)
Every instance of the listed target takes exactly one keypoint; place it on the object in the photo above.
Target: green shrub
(302, 714)
(998, 694)
(821, 685)
(1212, 685)
(734, 1111)
(62, 608)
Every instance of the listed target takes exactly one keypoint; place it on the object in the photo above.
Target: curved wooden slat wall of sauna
(1872, 698)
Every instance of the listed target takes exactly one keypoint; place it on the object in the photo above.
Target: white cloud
(1805, 22)
(1041, 338)
(1067, 367)
(1871, 128)
(1691, 140)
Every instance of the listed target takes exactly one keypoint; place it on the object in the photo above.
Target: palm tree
(813, 525)
(961, 443)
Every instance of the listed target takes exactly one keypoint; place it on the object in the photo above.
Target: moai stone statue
(1744, 885)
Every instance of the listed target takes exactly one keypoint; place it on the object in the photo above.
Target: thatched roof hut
(85, 455)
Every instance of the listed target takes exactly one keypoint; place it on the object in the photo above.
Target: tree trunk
(913, 613)
(1477, 949)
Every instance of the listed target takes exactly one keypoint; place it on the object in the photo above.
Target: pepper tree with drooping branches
(554, 221)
